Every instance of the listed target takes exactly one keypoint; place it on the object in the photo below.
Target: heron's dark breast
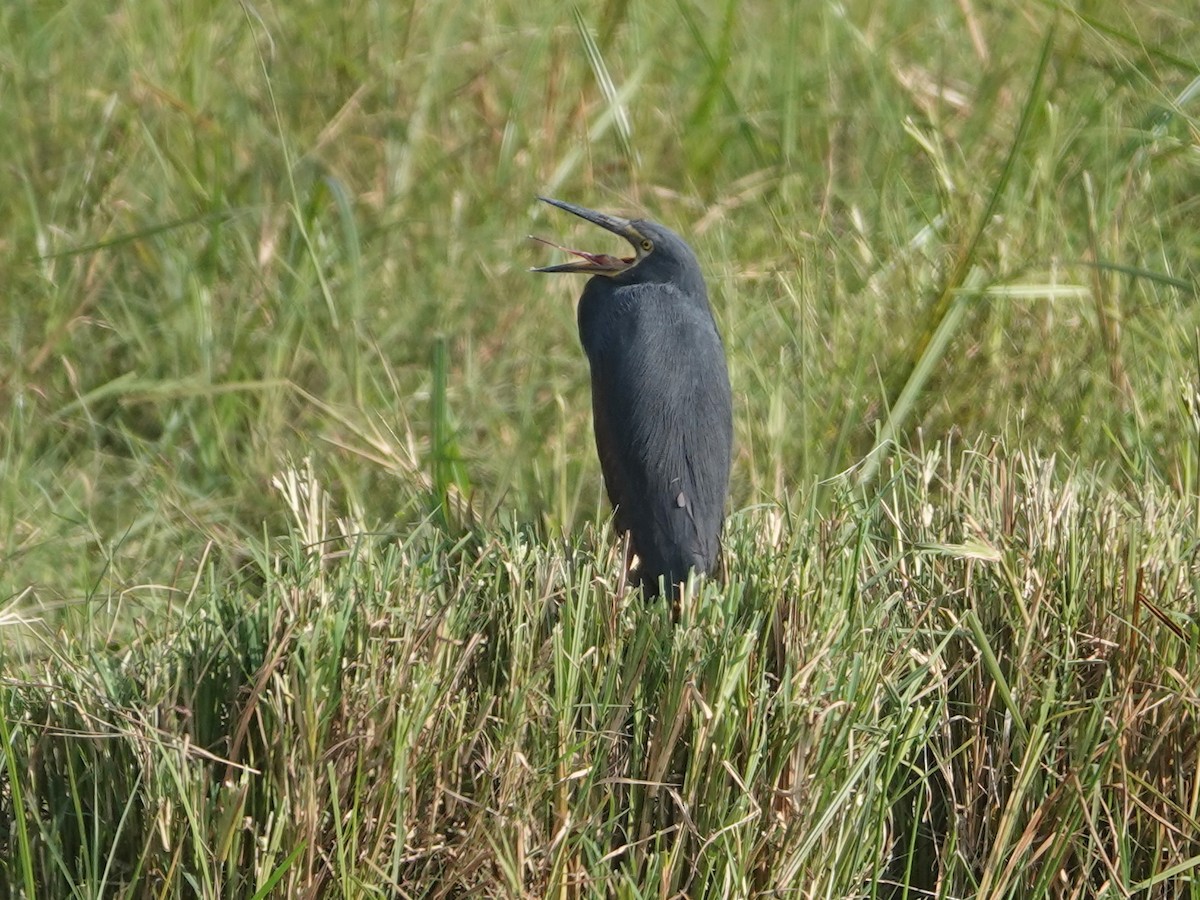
(616, 481)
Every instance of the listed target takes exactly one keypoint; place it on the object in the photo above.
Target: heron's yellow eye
(647, 245)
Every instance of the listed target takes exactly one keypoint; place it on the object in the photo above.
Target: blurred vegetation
(235, 234)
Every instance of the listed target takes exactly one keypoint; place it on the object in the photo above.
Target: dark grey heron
(661, 403)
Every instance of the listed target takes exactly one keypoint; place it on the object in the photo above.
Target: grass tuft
(951, 686)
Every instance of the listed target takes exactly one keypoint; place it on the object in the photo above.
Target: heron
(662, 410)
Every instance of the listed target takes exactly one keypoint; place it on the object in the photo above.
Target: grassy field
(306, 582)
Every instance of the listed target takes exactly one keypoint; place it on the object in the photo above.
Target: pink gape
(596, 259)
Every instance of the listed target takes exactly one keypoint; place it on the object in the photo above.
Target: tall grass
(305, 586)
(976, 684)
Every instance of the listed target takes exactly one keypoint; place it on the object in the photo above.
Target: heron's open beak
(596, 263)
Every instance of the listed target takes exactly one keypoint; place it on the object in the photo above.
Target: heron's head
(659, 254)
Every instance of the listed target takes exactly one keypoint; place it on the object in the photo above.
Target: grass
(964, 687)
(305, 582)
